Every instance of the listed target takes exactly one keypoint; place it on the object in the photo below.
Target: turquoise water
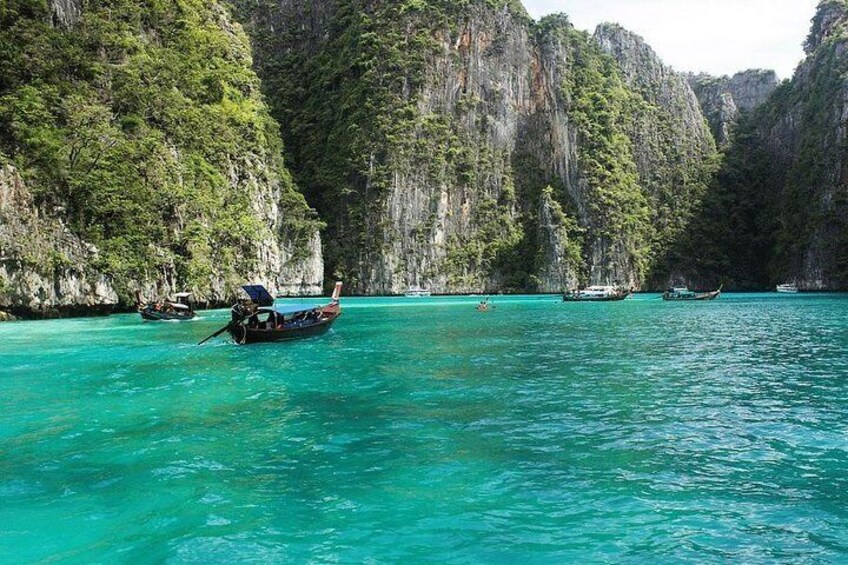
(422, 431)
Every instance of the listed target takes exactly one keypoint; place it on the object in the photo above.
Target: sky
(714, 36)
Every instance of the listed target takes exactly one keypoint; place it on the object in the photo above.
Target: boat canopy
(291, 309)
(259, 294)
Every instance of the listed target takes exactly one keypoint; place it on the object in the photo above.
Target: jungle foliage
(142, 125)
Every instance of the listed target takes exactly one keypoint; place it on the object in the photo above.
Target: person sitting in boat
(242, 310)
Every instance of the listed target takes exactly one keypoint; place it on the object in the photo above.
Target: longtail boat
(261, 321)
(179, 308)
(683, 293)
(597, 294)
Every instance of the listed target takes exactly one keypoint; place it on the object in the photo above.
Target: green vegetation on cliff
(777, 209)
(455, 144)
(142, 125)
(390, 105)
(346, 92)
(601, 109)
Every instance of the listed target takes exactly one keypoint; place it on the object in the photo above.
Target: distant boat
(179, 308)
(597, 294)
(417, 292)
(789, 288)
(683, 293)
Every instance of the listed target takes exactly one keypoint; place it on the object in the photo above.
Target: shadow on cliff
(731, 238)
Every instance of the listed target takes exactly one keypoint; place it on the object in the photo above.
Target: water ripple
(421, 431)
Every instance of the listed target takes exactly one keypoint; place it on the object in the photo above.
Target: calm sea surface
(422, 431)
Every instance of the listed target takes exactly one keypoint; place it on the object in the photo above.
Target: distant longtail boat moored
(180, 308)
(683, 293)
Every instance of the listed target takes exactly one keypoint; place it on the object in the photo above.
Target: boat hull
(154, 316)
(578, 298)
(698, 297)
(244, 335)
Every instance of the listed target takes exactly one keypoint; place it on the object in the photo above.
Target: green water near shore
(422, 431)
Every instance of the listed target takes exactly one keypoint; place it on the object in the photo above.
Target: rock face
(427, 136)
(300, 272)
(556, 247)
(672, 147)
(65, 12)
(44, 268)
(150, 162)
(803, 132)
(779, 212)
(752, 88)
(723, 99)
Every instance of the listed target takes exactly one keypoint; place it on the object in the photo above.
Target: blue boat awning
(259, 294)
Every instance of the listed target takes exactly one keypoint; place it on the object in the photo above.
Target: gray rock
(66, 13)
(6, 317)
(492, 95)
(44, 267)
(724, 99)
(672, 146)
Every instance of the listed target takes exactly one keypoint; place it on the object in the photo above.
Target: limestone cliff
(803, 134)
(724, 99)
(148, 156)
(427, 134)
(672, 146)
(42, 264)
(779, 210)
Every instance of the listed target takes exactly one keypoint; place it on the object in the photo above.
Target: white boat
(789, 288)
(417, 292)
(597, 294)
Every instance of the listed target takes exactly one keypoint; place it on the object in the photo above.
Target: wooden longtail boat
(265, 322)
(178, 309)
(683, 293)
(597, 294)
